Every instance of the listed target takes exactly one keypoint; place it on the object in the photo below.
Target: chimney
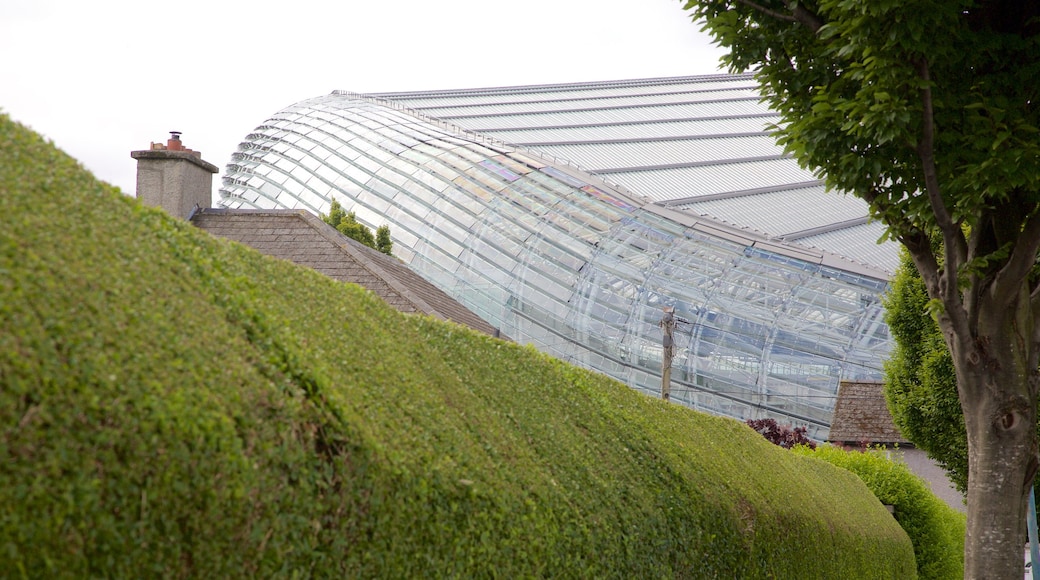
(174, 178)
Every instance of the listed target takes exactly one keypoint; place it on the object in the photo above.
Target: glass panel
(574, 266)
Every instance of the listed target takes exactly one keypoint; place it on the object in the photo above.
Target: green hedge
(173, 405)
(936, 530)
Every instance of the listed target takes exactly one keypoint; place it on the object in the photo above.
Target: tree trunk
(1000, 418)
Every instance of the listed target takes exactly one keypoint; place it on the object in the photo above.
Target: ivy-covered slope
(175, 405)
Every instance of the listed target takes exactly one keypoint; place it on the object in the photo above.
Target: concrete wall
(918, 462)
(175, 180)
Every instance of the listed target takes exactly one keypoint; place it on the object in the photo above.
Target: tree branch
(1034, 298)
(1010, 278)
(798, 14)
(920, 247)
(953, 239)
(913, 239)
(1034, 336)
(954, 245)
(806, 17)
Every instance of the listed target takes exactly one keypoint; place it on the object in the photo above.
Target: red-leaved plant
(781, 435)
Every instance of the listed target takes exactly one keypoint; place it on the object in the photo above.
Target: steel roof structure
(699, 144)
(570, 215)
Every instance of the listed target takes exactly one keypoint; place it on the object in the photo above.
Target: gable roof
(861, 415)
(303, 238)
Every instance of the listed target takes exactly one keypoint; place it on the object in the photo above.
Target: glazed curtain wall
(573, 267)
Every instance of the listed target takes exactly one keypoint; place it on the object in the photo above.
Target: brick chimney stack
(174, 177)
(174, 142)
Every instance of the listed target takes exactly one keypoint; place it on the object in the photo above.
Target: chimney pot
(174, 143)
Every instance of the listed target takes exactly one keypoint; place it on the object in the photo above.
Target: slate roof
(861, 415)
(303, 238)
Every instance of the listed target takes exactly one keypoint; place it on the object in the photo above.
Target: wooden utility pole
(668, 325)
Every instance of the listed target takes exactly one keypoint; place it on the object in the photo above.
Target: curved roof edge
(633, 136)
(706, 223)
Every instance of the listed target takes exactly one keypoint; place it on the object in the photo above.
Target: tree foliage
(928, 111)
(383, 242)
(920, 384)
(348, 225)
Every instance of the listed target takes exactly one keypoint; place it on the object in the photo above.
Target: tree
(920, 383)
(928, 111)
(383, 242)
(348, 225)
(336, 214)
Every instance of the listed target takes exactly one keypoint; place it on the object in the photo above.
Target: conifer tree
(383, 242)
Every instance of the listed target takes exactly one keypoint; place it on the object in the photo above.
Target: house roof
(302, 238)
(861, 415)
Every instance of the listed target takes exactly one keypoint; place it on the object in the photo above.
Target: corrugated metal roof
(555, 104)
(429, 99)
(859, 243)
(647, 114)
(691, 128)
(784, 212)
(640, 153)
(668, 184)
(668, 139)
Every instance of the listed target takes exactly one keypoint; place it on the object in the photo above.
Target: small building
(862, 418)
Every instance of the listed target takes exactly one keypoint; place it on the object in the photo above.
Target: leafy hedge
(936, 530)
(176, 405)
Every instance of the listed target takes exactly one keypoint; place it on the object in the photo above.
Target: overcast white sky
(107, 77)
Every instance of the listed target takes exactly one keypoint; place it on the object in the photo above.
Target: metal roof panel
(685, 128)
(634, 154)
(668, 184)
(648, 114)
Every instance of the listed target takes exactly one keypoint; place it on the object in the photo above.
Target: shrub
(935, 529)
(781, 435)
(174, 405)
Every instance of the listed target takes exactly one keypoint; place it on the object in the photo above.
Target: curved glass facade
(577, 267)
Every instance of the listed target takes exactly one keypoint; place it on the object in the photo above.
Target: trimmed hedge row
(936, 530)
(175, 405)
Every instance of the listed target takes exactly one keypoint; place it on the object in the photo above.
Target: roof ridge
(357, 250)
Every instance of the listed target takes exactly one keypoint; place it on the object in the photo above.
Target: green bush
(348, 225)
(174, 405)
(936, 529)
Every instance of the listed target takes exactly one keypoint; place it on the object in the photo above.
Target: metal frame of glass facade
(579, 268)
